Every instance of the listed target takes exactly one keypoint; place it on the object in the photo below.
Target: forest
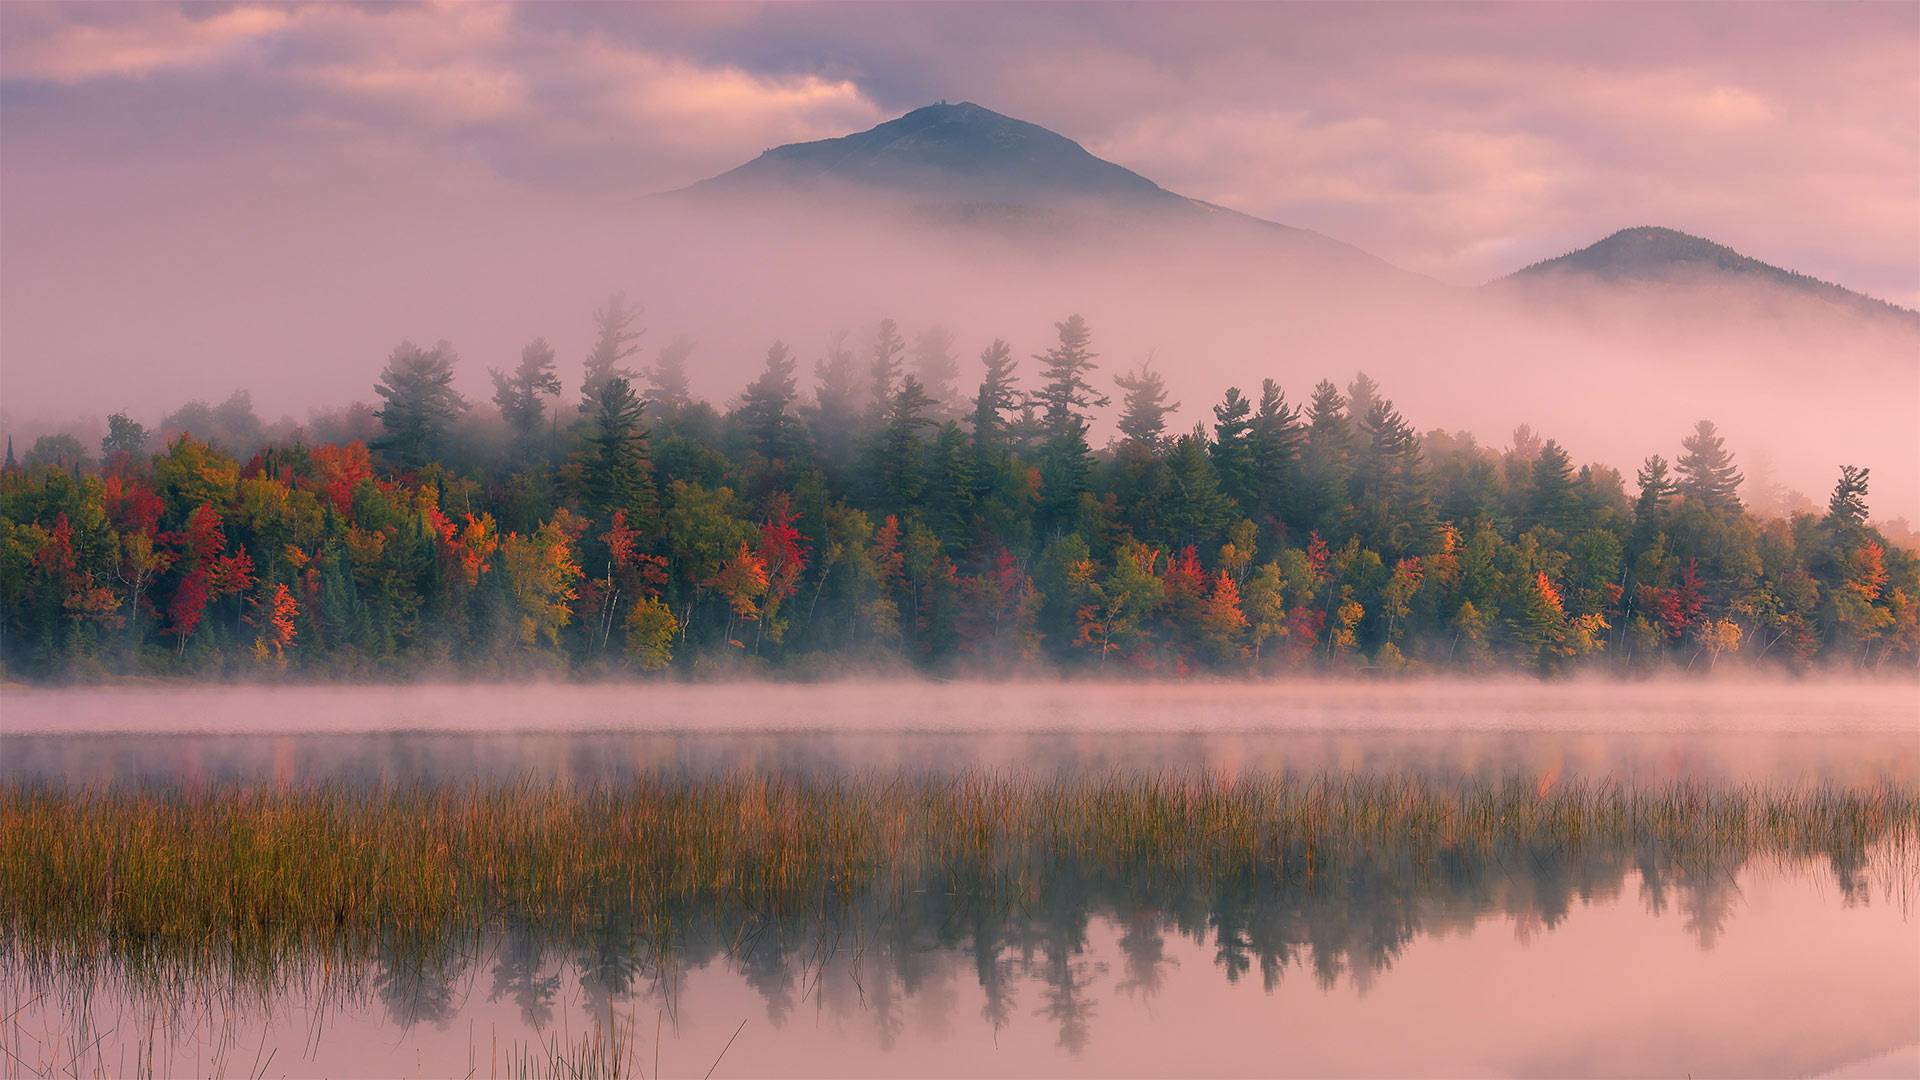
(886, 520)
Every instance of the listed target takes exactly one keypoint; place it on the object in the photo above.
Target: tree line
(887, 518)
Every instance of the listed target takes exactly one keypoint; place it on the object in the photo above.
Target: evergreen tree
(883, 370)
(124, 436)
(613, 343)
(1327, 463)
(766, 414)
(668, 375)
(1232, 448)
(1065, 396)
(1550, 497)
(898, 468)
(1392, 504)
(521, 395)
(996, 398)
(1707, 472)
(937, 368)
(11, 462)
(1143, 405)
(421, 404)
(618, 471)
(836, 415)
(1277, 441)
(1186, 504)
(950, 487)
(1848, 506)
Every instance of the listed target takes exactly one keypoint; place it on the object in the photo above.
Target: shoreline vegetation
(239, 879)
(891, 522)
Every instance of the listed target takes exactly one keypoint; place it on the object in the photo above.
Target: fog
(301, 306)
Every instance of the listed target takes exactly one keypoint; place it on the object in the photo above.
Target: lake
(1619, 952)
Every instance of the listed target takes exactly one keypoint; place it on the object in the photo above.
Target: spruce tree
(618, 470)
(950, 486)
(1232, 449)
(1550, 496)
(766, 414)
(1707, 472)
(996, 398)
(668, 375)
(836, 414)
(1277, 441)
(1327, 463)
(1065, 396)
(898, 470)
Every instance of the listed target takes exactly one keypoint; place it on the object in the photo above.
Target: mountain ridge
(964, 164)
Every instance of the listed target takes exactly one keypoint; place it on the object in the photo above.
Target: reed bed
(257, 874)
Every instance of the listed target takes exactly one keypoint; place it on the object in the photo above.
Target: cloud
(41, 43)
(1457, 140)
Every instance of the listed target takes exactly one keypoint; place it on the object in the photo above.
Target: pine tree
(618, 470)
(766, 414)
(668, 375)
(937, 368)
(1065, 396)
(1328, 463)
(1707, 473)
(1143, 405)
(1277, 440)
(521, 395)
(1186, 504)
(996, 398)
(1550, 500)
(836, 415)
(1848, 506)
(421, 404)
(950, 487)
(1232, 448)
(1392, 505)
(898, 468)
(883, 370)
(614, 337)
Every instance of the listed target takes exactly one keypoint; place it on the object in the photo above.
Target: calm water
(1539, 962)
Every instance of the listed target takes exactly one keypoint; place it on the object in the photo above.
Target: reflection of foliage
(867, 893)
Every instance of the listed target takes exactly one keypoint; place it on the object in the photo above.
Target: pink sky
(1459, 141)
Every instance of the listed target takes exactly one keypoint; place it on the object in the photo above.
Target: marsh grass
(247, 878)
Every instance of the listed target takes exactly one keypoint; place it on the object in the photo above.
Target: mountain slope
(962, 165)
(960, 152)
(1649, 255)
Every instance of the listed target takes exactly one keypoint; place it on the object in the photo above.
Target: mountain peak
(1653, 254)
(952, 153)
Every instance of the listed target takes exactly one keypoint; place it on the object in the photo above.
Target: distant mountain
(1649, 255)
(958, 153)
(963, 164)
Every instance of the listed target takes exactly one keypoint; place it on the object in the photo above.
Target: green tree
(1143, 405)
(1327, 464)
(421, 403)
(836, 413)
(668, 376)
(1550, 500)
(1232, 448)
(1848, 505)
(1065, 396)
(124, 436)
(766, 414)
(521, 396)
(1707, 473)
(937, 368)
(619, 468)
(614, 338)
(883, 367)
